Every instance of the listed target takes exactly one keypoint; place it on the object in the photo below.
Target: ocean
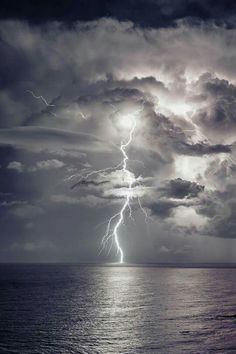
(56, 308)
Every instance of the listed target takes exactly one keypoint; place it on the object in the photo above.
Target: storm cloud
(69, 84)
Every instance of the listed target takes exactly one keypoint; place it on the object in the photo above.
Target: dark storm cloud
(201, 149)
(221, 170)
(219, 104)
(219, 207)
(35, 58)
(165, 208)
(147, 13)
(88, 183)
(172, 137)
(145, 84)
(179, 188)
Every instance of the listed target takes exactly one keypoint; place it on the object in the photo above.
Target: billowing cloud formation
(179, 188)
(67, 94)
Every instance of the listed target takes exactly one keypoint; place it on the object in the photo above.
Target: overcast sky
(74, 76)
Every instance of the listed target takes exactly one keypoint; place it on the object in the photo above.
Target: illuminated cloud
(93, 76)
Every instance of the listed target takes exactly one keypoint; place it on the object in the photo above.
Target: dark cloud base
(145, 13)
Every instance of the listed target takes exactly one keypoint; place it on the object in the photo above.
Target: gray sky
(95, 78)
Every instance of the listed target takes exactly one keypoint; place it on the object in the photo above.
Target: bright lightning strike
(118, 219)
(126, 205)
(111, 236)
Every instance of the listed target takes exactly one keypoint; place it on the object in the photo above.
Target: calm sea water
(78, 309)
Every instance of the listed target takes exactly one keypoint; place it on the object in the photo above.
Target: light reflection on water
(78, 309)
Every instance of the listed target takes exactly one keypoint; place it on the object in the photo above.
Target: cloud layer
(67, 94)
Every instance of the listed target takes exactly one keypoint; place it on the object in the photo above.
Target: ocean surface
(107, 309)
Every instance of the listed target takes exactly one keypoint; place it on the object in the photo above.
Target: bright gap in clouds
(191, 168)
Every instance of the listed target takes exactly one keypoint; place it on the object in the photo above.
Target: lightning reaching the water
(114, 223)
(130, 181)
(111, 237)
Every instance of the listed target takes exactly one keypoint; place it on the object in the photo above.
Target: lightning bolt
(126, 205)
(111, 237)
(41, 98)
(114, 223)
